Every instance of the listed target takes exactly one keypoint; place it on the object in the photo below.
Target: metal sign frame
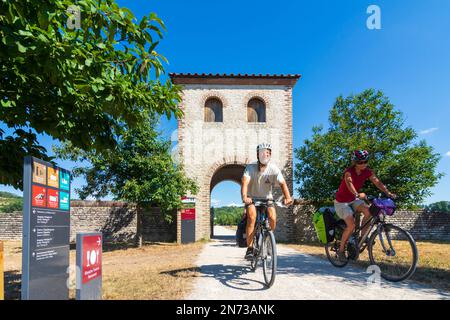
(46, 231)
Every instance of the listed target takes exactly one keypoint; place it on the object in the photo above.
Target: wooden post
(2, 286)
(139, 231)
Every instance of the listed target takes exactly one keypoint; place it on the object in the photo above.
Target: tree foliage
(85, 86)
(140, 170)
(228, 216)
(366, 121)
(440, 206)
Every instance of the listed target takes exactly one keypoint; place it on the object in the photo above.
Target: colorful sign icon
(38, 196)
(52, 177)
(39, 173)
(64, 200)
(64, 180)
(92, 258)
(52, 198)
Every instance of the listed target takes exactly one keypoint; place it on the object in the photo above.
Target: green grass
(433, 267)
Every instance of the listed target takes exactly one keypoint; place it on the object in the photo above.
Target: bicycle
(393, 242)
(264, 245)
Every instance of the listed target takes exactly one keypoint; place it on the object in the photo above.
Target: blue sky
(329, 44)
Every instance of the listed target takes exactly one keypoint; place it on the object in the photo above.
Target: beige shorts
(347, 209)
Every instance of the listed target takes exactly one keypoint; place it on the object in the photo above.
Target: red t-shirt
(344, 194)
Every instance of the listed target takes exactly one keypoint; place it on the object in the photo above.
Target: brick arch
(256, 95)
(214, 95)
(231, 160)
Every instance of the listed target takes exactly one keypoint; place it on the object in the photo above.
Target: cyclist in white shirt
(257, 183)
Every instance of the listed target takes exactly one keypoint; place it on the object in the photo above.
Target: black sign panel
(46, 231)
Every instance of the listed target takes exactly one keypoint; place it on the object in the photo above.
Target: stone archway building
(225, 118)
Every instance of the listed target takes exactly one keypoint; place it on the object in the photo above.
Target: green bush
(228, 216)
(11, 205)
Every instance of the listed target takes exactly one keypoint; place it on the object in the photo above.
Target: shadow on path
(300, 265)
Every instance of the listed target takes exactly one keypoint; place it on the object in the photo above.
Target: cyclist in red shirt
(349, 200)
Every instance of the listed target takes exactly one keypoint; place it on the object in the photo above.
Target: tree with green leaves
(139, 170)
(228, 216)
(85, 85)
(366, 121)
(440, 206)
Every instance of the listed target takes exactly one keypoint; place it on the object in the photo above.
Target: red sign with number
(92, 258)
(188, 214)
(52, 198)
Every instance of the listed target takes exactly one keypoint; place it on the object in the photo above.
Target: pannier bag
(241, 237)
(324, 222)
(378, 204)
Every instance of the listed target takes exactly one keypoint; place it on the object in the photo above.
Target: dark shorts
(269, 205)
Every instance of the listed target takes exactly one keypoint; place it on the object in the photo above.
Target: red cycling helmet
(360, 155)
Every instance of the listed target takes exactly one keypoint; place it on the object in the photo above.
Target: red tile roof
(209, 78)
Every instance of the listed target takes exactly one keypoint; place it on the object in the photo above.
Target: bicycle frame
(260, 225)
(361, 243)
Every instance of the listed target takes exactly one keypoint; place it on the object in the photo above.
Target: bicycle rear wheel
(331, 249)
(394, 251)
(269, 258)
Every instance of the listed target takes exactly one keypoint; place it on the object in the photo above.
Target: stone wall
(421, 224)
(155, 228)
(424, 225)
(118, 221)
(206, 147)
(11, 226)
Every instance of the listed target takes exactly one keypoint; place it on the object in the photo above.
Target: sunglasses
(361, 162)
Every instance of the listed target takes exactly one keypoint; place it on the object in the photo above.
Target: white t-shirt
(261, 183)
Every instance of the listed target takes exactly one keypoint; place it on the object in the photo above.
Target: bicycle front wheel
(394, 251)
(269, 258)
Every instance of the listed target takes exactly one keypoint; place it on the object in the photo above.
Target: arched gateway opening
(227, 172)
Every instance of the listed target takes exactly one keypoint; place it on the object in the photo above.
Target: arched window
(213, 110)
(256, 110)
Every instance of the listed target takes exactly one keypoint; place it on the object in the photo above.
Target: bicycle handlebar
(260, 202)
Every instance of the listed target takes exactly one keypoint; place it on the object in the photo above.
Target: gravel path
(226, 275)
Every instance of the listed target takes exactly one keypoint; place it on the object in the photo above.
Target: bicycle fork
(389, 252)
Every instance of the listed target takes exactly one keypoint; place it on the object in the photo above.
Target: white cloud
(448, 154)
(235, 204)
(215, 202)
(428, 131)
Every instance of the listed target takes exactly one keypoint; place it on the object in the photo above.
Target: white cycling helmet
(262, 158)
(264, 146)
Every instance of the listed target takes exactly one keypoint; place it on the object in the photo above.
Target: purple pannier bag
(383, 204)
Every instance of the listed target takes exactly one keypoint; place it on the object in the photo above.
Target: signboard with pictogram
(46, 231)
(2, 286)
(187, 214)
(89, 266)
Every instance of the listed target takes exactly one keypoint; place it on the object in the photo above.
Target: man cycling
(348, 198)
(257, 182)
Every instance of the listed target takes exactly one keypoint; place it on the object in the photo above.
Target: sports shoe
(341, 256)
(249, 253)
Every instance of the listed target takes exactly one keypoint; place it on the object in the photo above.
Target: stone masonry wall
(205, 147)
(116, 220)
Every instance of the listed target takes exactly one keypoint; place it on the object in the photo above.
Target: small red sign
(92, 258)
(188, 214)
(52, 198)
(38, 196)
